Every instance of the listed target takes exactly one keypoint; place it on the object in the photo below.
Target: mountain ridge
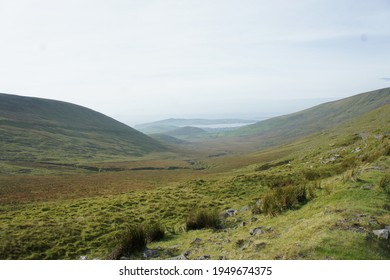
(364, 102)
(31, 127)
(286, 128)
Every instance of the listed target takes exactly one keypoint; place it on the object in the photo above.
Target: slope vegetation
(286, 128)
(42, 129)
(322, 196)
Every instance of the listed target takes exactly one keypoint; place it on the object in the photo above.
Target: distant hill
(187, 133)
(286, 128)
(42, 129)
(171, 124)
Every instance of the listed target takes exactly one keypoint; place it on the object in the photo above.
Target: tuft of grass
(384, 183)
(134, 240)
(154, 232)
(282, 199)
(203, 219)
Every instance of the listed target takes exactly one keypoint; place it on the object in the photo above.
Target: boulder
(150, 253)
(382, 233)
(229, 213)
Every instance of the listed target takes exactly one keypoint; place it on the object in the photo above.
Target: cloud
(385, 79)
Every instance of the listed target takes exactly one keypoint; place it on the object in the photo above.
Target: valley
(310, 185)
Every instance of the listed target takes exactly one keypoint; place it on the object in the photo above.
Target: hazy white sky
(138, 60)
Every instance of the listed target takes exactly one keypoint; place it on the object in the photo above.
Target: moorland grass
(203, 218)
(342, 203)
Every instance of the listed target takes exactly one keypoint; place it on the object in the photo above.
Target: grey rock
(373, 222)
(256, 231)
(204, 257)
(183, 256)
(357, 228)
(245, 208)
(367, 187)
(150, 253)
(242, 224)
(269, 229)
(229, 213)
(83, 258)
(382, 233)
(260, 245)
(186, 253)
(179, 258)
(196, 240)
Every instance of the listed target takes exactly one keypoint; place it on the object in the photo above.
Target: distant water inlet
(223, 125)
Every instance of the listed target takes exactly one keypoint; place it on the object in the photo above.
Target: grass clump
(384, 183)
(203, 219)
(154, 232)
(132, 241)
(136, 238)
(282, 199)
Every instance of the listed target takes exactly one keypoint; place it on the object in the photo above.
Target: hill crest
(36, 128)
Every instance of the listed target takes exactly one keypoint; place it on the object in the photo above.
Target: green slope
(187, 133)
(289, 127)
(344, 171)
(42, 129)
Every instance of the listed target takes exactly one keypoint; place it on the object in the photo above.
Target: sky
(146, 60)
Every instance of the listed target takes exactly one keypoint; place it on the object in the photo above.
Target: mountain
(42, 129)
(171, 124)
(286, 128)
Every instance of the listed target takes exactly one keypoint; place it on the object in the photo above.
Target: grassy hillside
(319, 197)
(286, 128)
(47, 130)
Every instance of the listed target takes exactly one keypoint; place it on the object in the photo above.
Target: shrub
(203, 219)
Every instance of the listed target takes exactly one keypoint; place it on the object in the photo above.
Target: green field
(318, 195)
